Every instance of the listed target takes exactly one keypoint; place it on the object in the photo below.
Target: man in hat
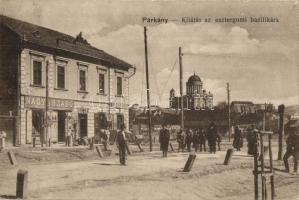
(188, 139)
(180, 139)
(196, 140)
(292, 148)
(238, 139)
(251, 137)
(164, 140)
(219, 139)
(212, 137)
(202, 139)
(121, 142)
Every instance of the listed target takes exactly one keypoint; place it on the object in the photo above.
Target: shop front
(36, 120)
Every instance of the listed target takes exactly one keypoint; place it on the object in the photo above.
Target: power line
(170, 75)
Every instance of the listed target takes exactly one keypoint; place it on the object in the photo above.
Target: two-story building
(57, 85)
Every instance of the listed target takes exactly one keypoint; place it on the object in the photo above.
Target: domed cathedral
(196, 97)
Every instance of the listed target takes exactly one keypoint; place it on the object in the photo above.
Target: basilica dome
(193, 80)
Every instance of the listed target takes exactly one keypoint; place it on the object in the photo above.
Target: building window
(101, 83)
(61, 77)
(82, 80)
(119, 91)
(37, 72)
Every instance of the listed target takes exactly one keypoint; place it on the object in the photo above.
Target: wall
(9, 49)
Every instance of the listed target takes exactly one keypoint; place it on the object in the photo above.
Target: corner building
(57, 85)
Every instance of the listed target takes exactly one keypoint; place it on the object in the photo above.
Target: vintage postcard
(149, 99)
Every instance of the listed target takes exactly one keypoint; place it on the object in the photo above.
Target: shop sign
(60, 104)
(53, 103)
(83, 110)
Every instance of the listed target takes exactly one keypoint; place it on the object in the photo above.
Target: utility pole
(148, 92)
(181, 88)
(264, 119)
(47, 105)
(228, 107)
(280, 131)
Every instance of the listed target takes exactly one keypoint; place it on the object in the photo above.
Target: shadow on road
(8, 197)
(106, 164)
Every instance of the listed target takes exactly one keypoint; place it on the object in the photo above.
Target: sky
(260, 61)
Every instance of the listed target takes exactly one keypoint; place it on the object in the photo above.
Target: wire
(172, 69)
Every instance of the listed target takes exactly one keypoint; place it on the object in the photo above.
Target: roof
(241, 102)
(293, 123)
(194, 78)
(38, 35)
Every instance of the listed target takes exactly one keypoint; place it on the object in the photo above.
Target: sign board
(83, 110)
(53, 103)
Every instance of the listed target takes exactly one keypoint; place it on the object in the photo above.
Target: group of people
(198, 138)
(195, 138)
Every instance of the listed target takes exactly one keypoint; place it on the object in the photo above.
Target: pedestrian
(219, 139)
(292, 149)
(212, 137)
(121, 142)
(180, 139)
(105, 134)
(196, 140)
(164, 140)
(188, 139)
(251, 140)
(238, 139)
(202, 139)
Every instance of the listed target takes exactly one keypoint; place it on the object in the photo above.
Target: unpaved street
(147, 176)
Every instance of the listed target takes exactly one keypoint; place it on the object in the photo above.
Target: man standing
(251, 140)
(196, 140)
(164, 140)
(292, 149)
(238, 139)
(212, 137)
(189, 139)
(202, 139)
(180, 139)
(219, 139)
(121, 142)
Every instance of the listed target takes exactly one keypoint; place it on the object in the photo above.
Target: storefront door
(38, 124)
(61, 126)
(83, 125)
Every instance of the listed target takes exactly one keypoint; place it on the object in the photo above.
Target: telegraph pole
(264, 118)
(181, 88)
(47, 105)
(280, 131)
(148, 92)
(228, 107)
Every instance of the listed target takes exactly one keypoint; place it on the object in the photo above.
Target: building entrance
(38, 124)
(61, 126)
(82, 125)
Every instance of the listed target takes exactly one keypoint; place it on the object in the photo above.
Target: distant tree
(221, 105)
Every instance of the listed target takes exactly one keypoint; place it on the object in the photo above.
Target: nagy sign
(53, 103)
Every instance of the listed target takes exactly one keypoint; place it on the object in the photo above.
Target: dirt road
(146, 176)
